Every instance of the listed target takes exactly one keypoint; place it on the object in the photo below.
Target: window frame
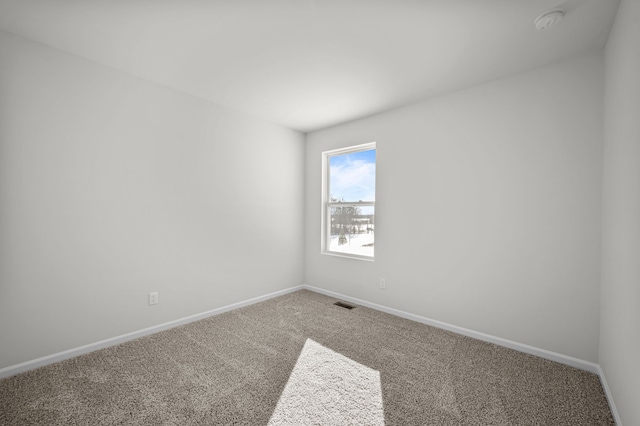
(325, 235)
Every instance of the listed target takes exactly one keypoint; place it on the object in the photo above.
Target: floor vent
(344, 305)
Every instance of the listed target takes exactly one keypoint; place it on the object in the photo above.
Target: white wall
(620, 307)
(112, 187)
(488, 212)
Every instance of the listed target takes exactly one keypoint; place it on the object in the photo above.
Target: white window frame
(327, 204)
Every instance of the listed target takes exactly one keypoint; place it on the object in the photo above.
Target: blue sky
(352, 176)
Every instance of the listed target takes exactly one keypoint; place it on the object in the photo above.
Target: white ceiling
(308, 64)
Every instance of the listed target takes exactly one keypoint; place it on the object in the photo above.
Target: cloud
(353, 180)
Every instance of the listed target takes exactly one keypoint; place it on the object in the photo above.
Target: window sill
(348, 256)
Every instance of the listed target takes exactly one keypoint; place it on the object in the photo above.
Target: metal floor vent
(344, 305)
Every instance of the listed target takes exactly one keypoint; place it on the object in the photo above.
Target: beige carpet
(242, 367)
(326, 388)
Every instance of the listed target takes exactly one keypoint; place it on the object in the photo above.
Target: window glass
(353, 176)
(349, 216)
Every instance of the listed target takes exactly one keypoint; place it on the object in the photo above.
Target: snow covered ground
(357, 244)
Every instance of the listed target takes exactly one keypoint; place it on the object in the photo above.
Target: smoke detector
(549, 19)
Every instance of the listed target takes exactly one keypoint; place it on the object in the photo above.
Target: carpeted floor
(326, 387)
(233, 369)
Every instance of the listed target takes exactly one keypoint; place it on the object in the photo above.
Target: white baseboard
(542, 353)
(61, 356)
(607, 392)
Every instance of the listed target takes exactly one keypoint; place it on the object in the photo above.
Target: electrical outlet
(383, 283)
(153, 298)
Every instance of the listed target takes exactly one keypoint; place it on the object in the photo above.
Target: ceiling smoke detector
(549, 19)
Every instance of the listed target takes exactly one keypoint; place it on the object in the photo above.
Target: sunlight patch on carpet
(328, 388)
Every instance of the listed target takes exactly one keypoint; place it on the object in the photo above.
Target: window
(349, 201)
